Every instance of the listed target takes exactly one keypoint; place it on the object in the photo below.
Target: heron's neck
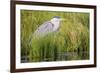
(56, 25)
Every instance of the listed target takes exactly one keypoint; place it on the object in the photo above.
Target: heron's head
(56, 20)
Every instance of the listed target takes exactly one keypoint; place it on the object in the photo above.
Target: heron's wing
(44, 28)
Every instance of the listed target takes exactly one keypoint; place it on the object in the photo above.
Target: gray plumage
(46, 28)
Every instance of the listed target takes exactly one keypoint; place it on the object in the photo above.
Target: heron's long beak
(62, 19)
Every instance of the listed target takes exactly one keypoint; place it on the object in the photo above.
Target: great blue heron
(47, 27)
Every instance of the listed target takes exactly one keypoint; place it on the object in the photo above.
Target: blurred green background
(71, 42)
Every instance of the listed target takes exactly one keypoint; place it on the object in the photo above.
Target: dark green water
(60, 56)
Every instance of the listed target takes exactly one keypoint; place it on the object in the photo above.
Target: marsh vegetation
(71, 42)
